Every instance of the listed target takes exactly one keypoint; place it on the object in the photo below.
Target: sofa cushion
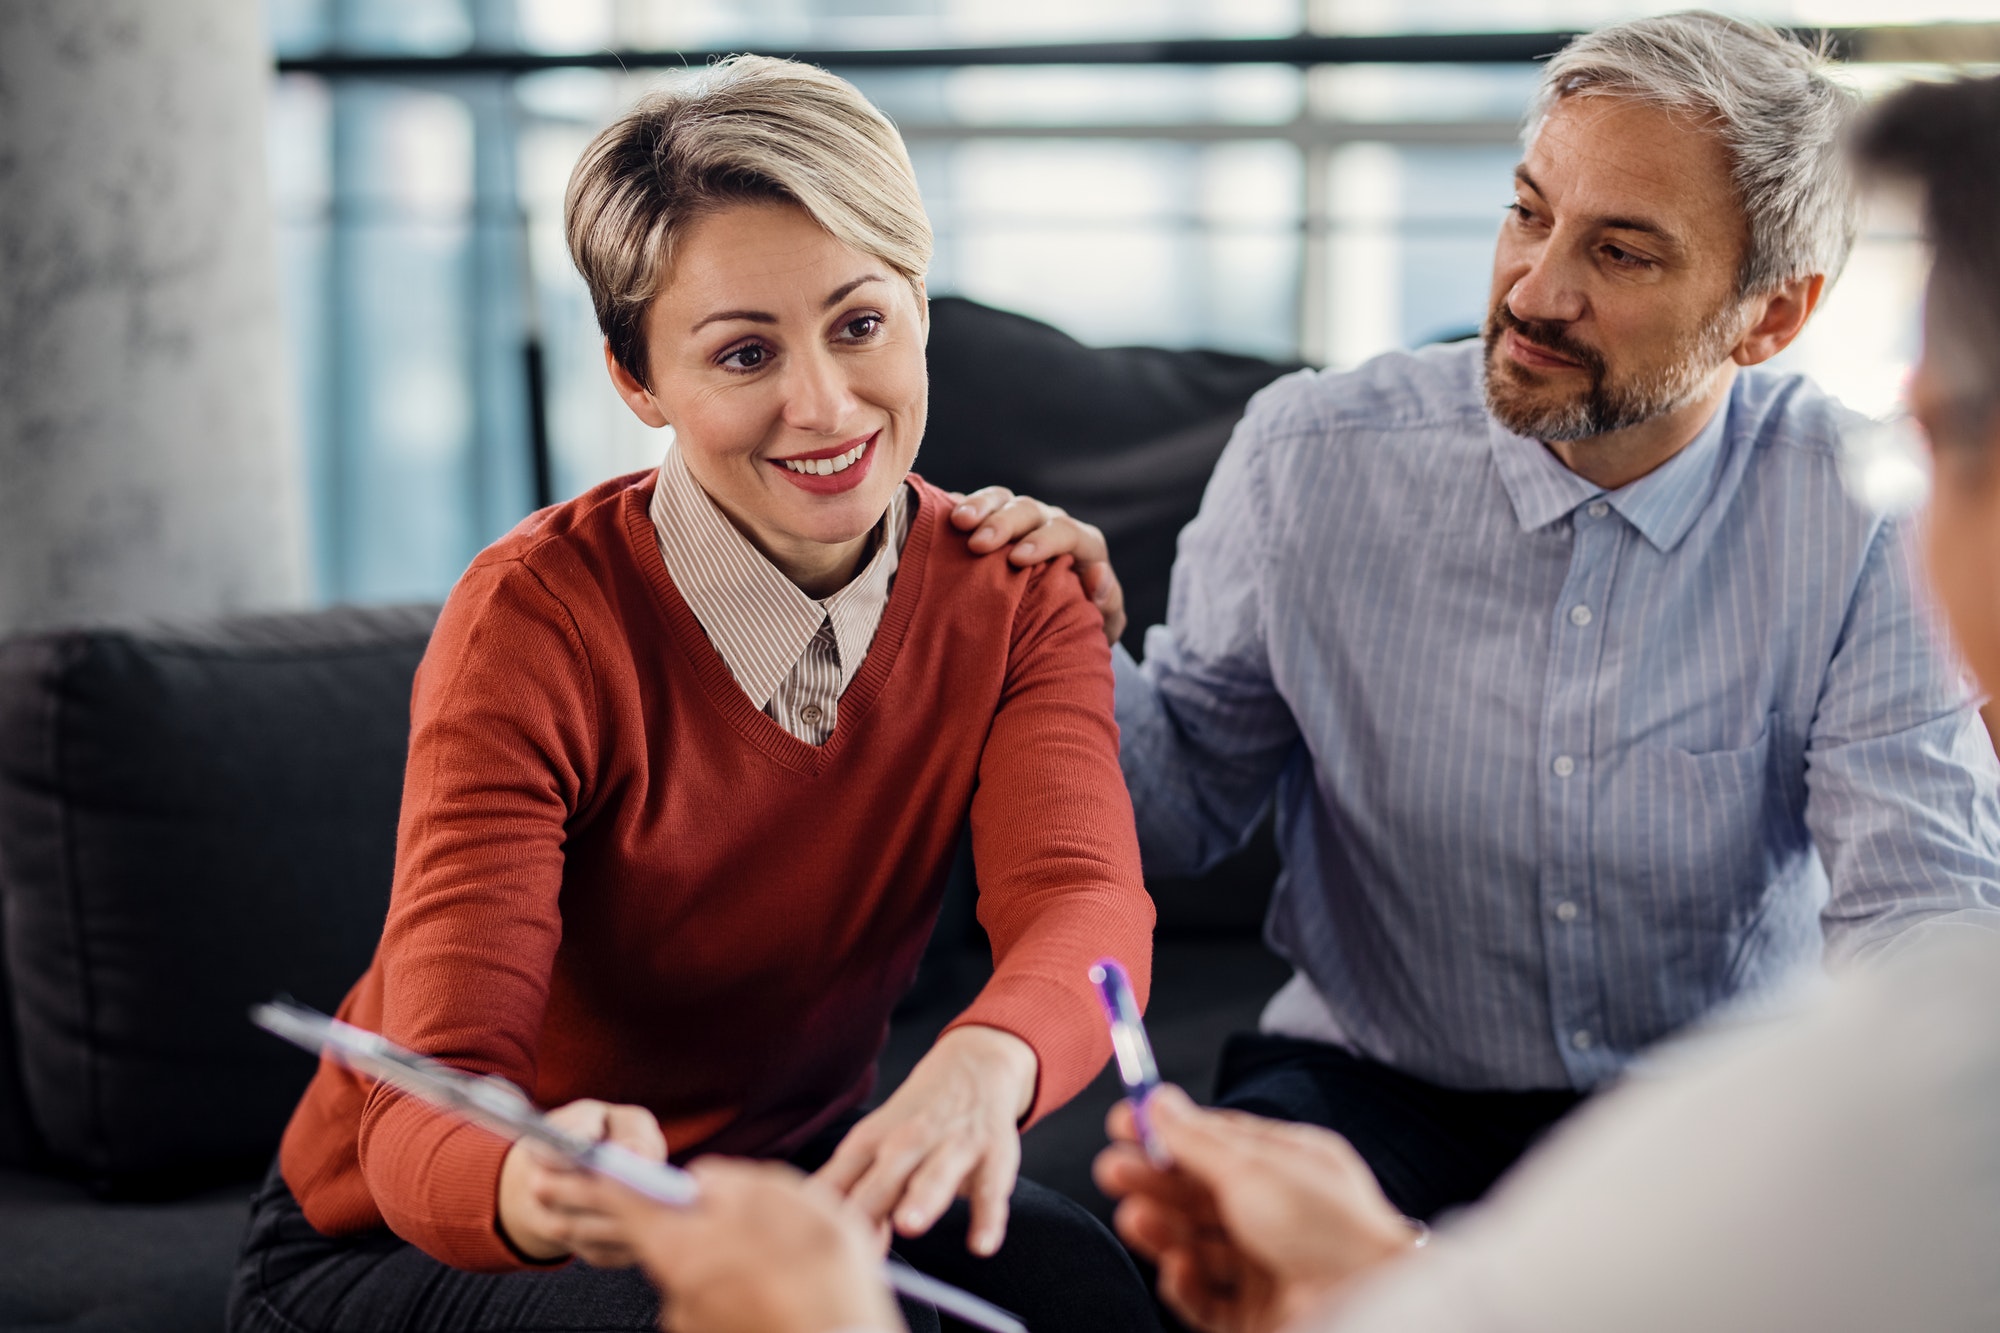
(81, 1265)
(191, 820)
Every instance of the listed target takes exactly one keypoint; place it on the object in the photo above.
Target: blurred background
(1325, 213)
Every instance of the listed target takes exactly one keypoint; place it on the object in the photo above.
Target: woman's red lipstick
(852, 466)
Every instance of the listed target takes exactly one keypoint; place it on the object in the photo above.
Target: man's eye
(747, 357)
(1625, 258)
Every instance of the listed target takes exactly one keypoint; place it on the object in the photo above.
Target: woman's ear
(636, 395)
(923, 308)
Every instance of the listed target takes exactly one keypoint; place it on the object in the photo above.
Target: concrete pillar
(148, 465)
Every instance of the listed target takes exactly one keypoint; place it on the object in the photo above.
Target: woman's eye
(747, 357)
(861, 327)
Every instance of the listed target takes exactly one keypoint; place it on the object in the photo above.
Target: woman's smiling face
(791, 368)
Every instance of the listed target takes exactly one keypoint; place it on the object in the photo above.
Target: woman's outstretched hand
(1256, 1223)
(995, 517)
(549, 1209)
(950, 1130)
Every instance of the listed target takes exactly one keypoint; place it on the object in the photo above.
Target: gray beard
(1606, 407)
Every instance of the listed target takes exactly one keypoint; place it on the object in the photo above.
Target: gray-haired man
(1587, 700)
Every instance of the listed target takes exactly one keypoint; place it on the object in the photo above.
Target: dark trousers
(1432, 1148)
(1059, 1270)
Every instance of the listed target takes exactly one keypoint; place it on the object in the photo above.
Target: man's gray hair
(1780, 115)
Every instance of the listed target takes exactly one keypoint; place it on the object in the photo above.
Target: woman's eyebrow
(754, 316)
(840, 293)
(845, 290)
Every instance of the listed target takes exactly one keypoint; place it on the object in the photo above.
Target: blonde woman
(689, 757)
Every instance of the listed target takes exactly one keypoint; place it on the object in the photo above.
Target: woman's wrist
(1002, 1056)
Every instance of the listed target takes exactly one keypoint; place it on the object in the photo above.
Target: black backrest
(1123, 437)
(192, 818)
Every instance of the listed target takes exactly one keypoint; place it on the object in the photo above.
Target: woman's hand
(951, 1129)
(1256, 1223)
(1042, 532)
(549, 1210)
(763, 1250)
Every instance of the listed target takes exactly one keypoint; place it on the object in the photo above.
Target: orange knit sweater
(616, 878)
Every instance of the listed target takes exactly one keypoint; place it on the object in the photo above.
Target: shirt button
(1579, 616)
(1598, 510)
(1565, 911)
(1581, 1039)
(811, 714)
(1564, 765)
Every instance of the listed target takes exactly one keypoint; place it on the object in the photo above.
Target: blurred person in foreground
(1838, 1169)
(1587, 702)
(690, 757)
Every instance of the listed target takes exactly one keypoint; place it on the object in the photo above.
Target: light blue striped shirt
(1556, 770)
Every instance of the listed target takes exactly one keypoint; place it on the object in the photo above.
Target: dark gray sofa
(194, 817)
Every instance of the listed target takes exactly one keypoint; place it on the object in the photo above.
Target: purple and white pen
(1132, 1052)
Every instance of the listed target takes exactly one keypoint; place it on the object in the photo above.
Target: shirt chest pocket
(1701, 825)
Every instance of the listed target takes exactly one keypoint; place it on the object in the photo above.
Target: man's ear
(636, 395)
(1783, 313)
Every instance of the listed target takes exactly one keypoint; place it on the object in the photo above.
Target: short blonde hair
(746, 129)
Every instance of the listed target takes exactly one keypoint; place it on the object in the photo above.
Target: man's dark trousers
(1432, 1148)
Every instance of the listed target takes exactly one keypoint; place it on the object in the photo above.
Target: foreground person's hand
(549, 1209)
(996, 516)
(763, 1250)
(951, 1129)
(1257, 1222)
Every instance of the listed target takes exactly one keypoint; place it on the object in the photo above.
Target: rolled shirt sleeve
(1903, 789)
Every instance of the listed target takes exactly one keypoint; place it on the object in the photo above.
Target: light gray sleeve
(1837, 1171)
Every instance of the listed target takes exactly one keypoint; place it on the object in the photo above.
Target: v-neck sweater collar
(719, 681)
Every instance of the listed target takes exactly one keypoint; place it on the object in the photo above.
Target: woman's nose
(817, 395)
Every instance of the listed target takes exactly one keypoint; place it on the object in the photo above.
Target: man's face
(1614, 281)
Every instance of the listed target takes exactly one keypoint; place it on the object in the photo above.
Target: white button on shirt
(794, 655)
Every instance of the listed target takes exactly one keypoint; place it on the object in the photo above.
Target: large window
(1328, 213)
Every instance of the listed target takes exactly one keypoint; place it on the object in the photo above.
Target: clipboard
(496, 1105)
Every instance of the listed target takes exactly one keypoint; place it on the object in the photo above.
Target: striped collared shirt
(1557, 770)
(791, 653)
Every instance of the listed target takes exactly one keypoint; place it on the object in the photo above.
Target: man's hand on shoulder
(997, 517)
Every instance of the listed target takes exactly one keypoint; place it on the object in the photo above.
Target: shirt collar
(1662, 505)
(760, 621)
